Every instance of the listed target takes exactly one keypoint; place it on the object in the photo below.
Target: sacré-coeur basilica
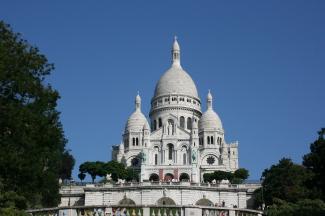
(181, 142)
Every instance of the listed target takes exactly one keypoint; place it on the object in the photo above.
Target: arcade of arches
(168, 201)
(169, 177)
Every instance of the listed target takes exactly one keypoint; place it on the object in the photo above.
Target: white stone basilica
(172, 154)
(182, 143)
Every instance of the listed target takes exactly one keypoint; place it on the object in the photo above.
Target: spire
(176, 53)
(138, 102)
(209, 100)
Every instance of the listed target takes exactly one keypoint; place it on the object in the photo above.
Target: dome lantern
(209, 100)
(138, 102)
(176, 53)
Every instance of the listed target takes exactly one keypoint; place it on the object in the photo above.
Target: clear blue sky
(264, 62)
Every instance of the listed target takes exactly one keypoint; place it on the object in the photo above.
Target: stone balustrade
(78, 187)
(144, 211)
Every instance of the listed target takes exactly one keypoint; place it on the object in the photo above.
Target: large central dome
(176, 80)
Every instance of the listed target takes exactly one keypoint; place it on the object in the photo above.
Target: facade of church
(181, 143)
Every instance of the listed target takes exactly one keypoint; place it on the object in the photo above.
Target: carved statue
(109, 177)
(194, 155)
(165, 192)
(143, 156)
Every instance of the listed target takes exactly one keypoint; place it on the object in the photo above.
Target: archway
(126, 201)
(154, 177)
(204, 202)
(166, 201)
(169, 177)
(184, 177)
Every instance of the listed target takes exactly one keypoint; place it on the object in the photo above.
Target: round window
(210, 160)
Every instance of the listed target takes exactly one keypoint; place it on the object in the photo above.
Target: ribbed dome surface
(210, 120)
(136, 121)
(176, 81)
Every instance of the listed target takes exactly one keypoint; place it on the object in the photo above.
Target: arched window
(189, 123)
(184, 159)
(212, 140)
(184, 177)
(133, 141)
(137, 141)
(160, 122)
(182, 122)
(154, 124)
(156, 159)
(135, 162)
(170, 151)
(154, 177)
(208, 140)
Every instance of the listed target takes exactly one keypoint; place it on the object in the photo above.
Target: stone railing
(144, 211)
(179, 183)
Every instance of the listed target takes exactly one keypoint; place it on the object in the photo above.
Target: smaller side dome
(137, 120)
(210, 119)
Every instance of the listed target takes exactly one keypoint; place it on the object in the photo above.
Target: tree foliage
(315, 162)
(294, 189)
(236, 178)
(305, 207)
(81, 176)
(67, 165)
(101, 169)
(32, 142)
(286, 181)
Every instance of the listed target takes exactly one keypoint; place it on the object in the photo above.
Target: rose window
(210, 160)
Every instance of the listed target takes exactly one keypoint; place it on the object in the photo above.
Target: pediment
(180, 134)
(183, 134)
(157, 134)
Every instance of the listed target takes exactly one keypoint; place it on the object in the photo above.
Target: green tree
(101, 169)
(315, 162)
(90, 168)
(285, 181)
(117, 170)
(94, 169)
(32, 142)
(305, 207)
(241, 173)
(81, 176)
(11, 202)
(67, 165)
(218, 176)
(132, 174)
